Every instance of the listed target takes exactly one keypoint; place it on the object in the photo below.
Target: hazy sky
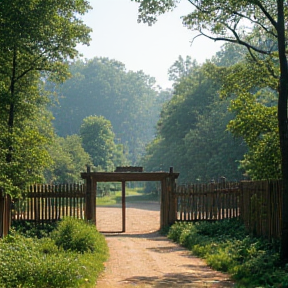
(153, 49)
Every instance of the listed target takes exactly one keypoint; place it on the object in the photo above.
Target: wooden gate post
(90, 203)
(1, 214)
(123, 206)
(5, 214)
(172, 200)
(242, 201)
(168, 200)
(93, 201)
(164, 204)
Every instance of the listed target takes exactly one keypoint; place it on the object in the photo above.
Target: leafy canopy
(40, 35)
(254, 102)
(37, 37)
(231, 21)
(98, 141)
(191, 131)
(101, 86)
(68, 160)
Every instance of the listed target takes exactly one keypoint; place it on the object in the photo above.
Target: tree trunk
(10, 123)
(283, 127)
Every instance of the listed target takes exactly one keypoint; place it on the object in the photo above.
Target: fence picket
(49, 203)
(257, 203)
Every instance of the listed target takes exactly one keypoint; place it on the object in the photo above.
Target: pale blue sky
(117, 35)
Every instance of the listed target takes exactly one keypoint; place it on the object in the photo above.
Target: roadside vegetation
(69, 253)
(226, 247)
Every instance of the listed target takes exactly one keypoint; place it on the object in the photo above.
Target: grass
(132, 195)
(68, 254)
(251, 262)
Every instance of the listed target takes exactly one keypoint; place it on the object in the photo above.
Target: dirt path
(141, 257)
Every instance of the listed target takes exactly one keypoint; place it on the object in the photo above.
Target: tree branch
(269, 17)
(255, 22)
(257, 3)
(33, 65)
(237, 41)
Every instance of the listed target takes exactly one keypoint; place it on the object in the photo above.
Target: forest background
(200, 127)
(219, 119)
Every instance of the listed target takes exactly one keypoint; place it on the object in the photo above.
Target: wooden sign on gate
(129, 169)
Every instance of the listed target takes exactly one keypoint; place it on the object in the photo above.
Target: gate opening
(141, 208)
(168, 185)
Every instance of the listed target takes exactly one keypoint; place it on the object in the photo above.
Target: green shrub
(47, 246)
(30, 229)
(222, 229)
(89, 273)
(252, 262)
(200, 250)
(175, 230)
(221, 260)
(32, 262)
(77, 235)
(17, 258)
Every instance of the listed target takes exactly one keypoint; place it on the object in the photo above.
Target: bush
(175, 230)
(252, 262)
(32, 262)
(30, 229)
(77, 235)
(17, 259)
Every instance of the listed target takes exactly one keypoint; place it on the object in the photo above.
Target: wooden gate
(44, 203)
(168, 186)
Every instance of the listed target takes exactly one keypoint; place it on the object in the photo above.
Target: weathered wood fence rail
(45, 203)
(257, 203)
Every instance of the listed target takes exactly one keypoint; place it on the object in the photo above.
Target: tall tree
(191, 132)
(181, 68)
(98, 141)
(254, 103)
(104, 87)
(211, 150)
(35, 36)
(226, 21)
(31, 132)
(69, 159)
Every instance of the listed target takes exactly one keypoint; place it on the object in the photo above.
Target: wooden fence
(212, 201)
(257, 203)
(262, 208)
(46, 203)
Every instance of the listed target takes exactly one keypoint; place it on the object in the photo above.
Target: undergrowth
(68, 254)
(251, 262)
